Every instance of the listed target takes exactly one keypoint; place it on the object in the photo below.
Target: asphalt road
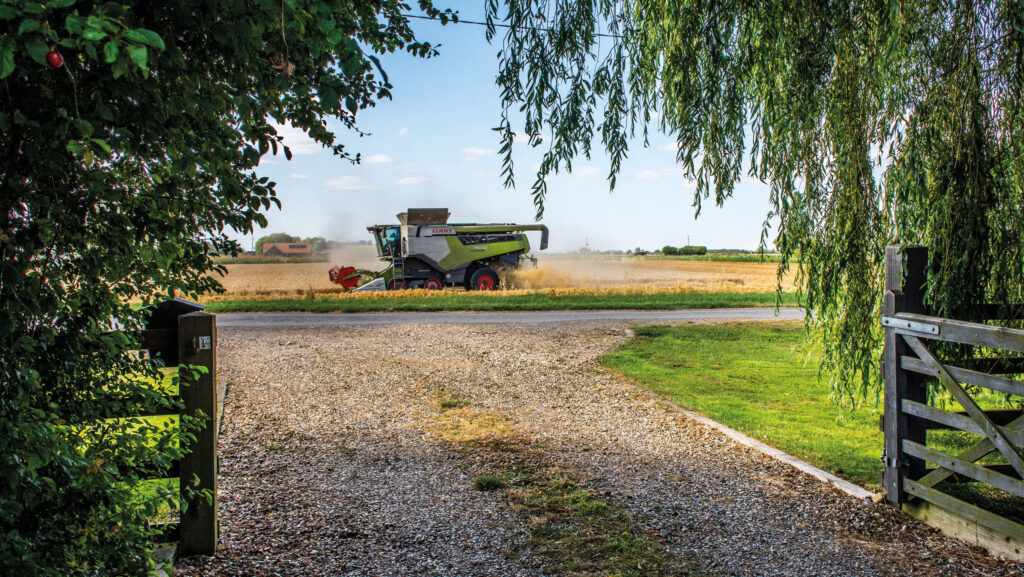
(300, 320)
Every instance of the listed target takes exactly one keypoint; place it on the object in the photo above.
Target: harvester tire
(484, 279)
(433, 284)
(396, 284)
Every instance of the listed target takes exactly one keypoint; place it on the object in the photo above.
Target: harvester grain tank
(426, 251)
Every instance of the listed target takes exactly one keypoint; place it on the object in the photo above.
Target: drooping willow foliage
(873, 123)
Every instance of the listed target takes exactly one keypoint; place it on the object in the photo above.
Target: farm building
(287, 249)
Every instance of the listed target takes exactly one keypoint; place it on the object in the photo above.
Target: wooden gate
(909, 363)
(192, 338)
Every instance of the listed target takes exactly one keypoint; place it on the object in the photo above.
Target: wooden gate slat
(958, 421)
(1001, 384)
(965, 510)
(998, 480)
(991, 431)
(969, 333)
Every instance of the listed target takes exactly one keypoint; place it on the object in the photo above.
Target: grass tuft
(489, 483)
(581, 534)
(450, 400)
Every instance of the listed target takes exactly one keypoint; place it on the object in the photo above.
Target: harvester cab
(426, 251)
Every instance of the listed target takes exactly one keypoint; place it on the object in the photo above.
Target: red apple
(54, 59)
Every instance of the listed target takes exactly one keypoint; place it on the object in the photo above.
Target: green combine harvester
(426, 251)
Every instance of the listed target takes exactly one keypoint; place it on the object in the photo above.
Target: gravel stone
(328, 466)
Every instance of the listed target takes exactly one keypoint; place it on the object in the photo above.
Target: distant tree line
(669, 250)
(317, 244)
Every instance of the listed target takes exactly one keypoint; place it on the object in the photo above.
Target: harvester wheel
(396, 284)
(433, 284)
(484, 279)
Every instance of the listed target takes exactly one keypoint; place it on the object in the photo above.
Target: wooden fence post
(197, 342)
(905, 274)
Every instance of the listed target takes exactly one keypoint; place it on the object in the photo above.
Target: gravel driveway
(329, 465)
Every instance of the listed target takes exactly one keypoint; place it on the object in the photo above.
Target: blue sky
(432, 146)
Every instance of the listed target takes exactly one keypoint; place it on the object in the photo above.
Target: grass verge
(539, 301)
(749, 376)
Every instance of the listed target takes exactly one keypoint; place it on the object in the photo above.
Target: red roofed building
(287, 249)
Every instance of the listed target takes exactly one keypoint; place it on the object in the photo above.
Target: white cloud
(475, 153)
(348, 183)
(587, 171)
(409, 180)
(403, 131)
(296, 140)
(659, 173)
(524, 138)
(379, 159)
(669, 147)
(298, 176)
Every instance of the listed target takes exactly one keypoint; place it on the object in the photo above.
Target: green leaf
(101, 143)
(62, 3)
(8, 12)
(74, 24)
(28, 25)
(110, 52)
(6, 59)
(93, 34)
(37, 50)
(84, 126)
(138, 55)
(147, 37)
(120, 68)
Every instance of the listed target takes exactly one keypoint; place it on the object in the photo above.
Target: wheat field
(554, 274)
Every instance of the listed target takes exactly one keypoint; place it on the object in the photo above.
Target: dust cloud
(603, 271)
(556, 271)
(361, 256)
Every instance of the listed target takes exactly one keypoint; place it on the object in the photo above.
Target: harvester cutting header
(426, 251)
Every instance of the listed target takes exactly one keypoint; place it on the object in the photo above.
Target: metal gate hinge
(917, 327)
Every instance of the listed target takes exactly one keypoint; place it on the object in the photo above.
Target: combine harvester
(426, 251)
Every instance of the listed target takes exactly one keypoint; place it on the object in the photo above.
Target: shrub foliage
(129, 132)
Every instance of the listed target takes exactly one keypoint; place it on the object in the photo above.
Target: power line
(549, 30)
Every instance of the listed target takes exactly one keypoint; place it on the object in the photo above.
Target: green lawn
(148, 489)
(751, 377)
(459, 301)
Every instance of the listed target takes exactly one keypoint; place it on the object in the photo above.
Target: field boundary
(426, 301)
(855, 491)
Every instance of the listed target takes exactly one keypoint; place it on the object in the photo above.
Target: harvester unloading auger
(426, 251)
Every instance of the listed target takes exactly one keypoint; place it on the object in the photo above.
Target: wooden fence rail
(193, 342)
(909, 364)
